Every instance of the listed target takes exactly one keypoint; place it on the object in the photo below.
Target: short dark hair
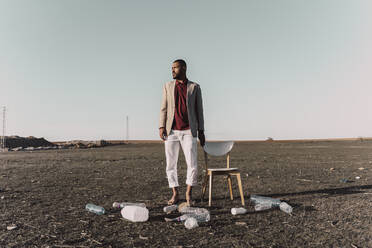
(181, 62)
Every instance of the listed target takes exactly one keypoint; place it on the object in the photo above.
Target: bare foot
(173, 200)
(189, 200)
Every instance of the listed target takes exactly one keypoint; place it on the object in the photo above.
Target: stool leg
(230, 187)
(240, 188)
(210, 188)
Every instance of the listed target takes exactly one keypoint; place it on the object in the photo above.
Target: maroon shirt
(181, 118)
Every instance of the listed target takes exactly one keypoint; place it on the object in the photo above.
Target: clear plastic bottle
(124, 204)
(192, 210)
(256, 199)
(135, 213)
(95, 209)
(191, 223)
(169, 209)
(200, 214)
(236, 211)
(285, 207)
(263, 206)
(198, 217)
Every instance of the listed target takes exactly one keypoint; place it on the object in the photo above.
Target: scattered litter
(361, 168)
(191, 223)
(124, 204)
(240, 223)
(331, 169)
(192, 210)
(142, 237)
(285, 207)
(11, 227)
(200, 214)
(95, 209)
(135, 213)
(236, 211)
(169, 209)
(263, 203)
(263, 206)
(357, 178)
(95, 241)
(172, 220)
(345, 180)
(2, 197)
(305, 180)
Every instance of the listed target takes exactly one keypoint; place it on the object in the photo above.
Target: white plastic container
(191, 223)
(135, 213)
(285, 207)
(236, 211)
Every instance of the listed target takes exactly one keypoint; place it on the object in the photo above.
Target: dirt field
(44, 193)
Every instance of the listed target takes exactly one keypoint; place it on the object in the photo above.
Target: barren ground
(44, 193)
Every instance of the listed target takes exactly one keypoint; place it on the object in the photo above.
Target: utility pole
(127, 138)
(3, 137)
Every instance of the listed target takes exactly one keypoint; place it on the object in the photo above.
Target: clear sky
(289, 69)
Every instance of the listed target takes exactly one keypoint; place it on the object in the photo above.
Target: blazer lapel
(172, 89)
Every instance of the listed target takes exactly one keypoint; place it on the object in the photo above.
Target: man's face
(177, 70)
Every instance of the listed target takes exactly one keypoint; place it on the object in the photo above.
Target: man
(181, 121)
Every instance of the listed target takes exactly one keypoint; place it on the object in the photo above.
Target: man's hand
(201, 137)
(162, 133)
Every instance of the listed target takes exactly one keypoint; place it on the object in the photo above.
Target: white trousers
(189, 147)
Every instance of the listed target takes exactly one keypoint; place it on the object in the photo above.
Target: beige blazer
(194, 107)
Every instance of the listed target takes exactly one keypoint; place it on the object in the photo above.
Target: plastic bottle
(263, 206)
(205, 217)
(191, 223)
(169, 209)
(200, 214)
(95, 209)
(263, 199)
(135, 213)
(124, 204)
(285, 207)
(192, 210)
(236, 211)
